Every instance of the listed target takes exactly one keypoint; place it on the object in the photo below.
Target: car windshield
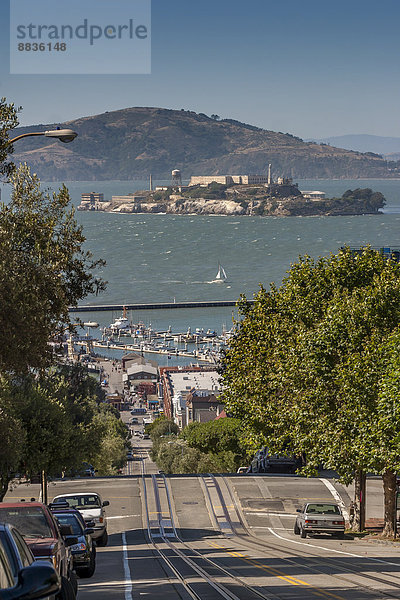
(29, 520)
(323, 509)
(66, 519)
(80, 502)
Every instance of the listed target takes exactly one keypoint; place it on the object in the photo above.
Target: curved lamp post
(64, 135)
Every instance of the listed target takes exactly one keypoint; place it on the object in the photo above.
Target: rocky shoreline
(277, 207)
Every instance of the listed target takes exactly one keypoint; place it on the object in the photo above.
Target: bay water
(162, 258)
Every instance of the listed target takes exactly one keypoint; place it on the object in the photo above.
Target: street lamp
(64, 135)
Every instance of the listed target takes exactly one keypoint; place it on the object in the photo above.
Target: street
(230, 536)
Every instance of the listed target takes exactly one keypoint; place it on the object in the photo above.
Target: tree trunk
(43, 486)
(4, 482)
(358, 523)
(390, 512)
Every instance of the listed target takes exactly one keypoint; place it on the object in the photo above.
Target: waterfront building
(91, 201)
(205, 180)
(140, 372)
(178, 382)
(92, 197)
(129, 198)
(134, 358)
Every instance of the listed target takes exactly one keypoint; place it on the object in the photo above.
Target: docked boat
(120, 325)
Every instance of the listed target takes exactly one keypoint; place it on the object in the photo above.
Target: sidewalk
(113, 375)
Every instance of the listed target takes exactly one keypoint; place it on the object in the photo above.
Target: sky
(313, 68)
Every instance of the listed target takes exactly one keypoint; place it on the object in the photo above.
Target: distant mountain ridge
(131, 143)
(386, 146)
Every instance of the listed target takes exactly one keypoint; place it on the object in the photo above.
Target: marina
(123, 335)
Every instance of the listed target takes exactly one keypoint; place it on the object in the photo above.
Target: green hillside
(133, 142)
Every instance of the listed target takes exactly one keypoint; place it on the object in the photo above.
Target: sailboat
(221, 275)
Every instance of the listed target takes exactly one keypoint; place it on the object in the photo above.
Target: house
(202, 407)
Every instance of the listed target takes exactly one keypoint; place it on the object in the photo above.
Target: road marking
(266, 527)
(279, 574)
(333, 550)
(268, 514)
(122, 517)
(337, 497)
(127, 572)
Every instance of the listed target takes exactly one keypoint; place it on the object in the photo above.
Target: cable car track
(251, 541)
(194, 579)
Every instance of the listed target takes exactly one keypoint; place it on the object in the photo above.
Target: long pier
(154, 306)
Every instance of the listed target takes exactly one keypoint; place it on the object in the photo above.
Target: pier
(154, 306)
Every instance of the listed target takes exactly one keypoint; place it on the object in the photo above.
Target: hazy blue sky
(313, 68)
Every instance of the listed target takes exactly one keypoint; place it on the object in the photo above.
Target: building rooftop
(200, 380)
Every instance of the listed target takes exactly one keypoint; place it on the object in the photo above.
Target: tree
(43, 270)
(304, 369)
(12, 438)
(53, 422)
(8, 121)
(218, 436)
(45, 424)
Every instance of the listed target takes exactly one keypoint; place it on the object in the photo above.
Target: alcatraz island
(236, 195)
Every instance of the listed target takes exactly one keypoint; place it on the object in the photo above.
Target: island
(283, 199)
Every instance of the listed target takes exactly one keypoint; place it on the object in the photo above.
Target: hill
(386, 146)
(133, 142)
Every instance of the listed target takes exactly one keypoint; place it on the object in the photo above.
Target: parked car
(265, 462)
(129, 455)
(242, 470)
(84, 551)
(45, 539)
(320, 517)
(139, 411)
(85, 470)
(22, 577)
(91, 508)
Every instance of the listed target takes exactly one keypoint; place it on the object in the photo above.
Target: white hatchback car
(91, 507)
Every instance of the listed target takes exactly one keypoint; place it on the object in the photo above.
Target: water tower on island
(176, 180)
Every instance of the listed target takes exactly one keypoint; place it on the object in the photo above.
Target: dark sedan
(84, 551)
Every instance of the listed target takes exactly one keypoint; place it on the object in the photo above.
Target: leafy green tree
(303, 370)
(8, 122)
(12, 438)
(218, 436)
(47, 427)
(43, 270)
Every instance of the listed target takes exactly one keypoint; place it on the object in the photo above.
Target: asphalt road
(232, 537)
(229, 537)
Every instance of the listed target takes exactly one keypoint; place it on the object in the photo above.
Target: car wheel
(86, 572)
(296, 529)
(102, 541)
(67, 591)
(303, 533)
(74, 582)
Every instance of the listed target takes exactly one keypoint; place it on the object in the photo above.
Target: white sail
(221, 275)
